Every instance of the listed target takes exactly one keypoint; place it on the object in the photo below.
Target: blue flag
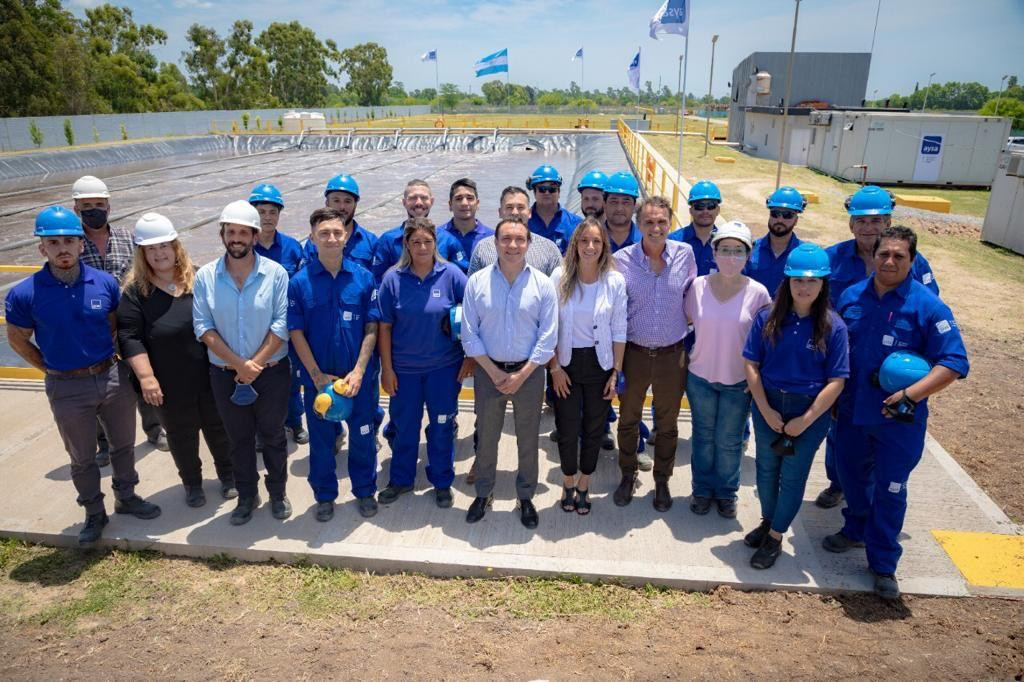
(578, 55)
(634, 72)
(673, 17)
(492, 63)
(430, 56)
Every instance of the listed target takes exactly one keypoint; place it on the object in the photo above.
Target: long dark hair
(821, 313)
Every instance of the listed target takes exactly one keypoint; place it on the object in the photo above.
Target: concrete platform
(633, 544)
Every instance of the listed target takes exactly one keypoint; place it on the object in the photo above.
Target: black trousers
(266, 417)
(150, 422)
(183, 418)
(583, 413)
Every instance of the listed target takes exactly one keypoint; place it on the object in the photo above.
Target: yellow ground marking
(725, 159)
(812, 197)
(985, 559)
(925, 202)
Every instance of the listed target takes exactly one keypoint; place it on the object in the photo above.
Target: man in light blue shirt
(239, 310)
(509, 327)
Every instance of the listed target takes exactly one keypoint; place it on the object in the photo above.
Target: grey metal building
(837, 78)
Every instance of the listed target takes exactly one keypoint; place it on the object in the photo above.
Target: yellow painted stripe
(19, 268)
(467, 394)
(20, 373)
(985, 559)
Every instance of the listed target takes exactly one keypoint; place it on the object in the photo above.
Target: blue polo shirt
(764, 267)
(634, 237)
(416, 308)
(848, 269)
(388, 250)
(791, 362)
(703, 253)
(467, 241)
(559, 230)
(908, 318)
(70, 321)
(285, 251)
(358, 248)
(331, 312)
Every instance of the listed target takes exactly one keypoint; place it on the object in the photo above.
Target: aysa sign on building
(929, 159)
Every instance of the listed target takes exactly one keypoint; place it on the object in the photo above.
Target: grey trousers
(76, 403)
(490, 420)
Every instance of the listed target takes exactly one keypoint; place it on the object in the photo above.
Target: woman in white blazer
(588, 361)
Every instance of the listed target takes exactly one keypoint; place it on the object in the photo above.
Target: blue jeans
(719, 413)
(438, 391)
(781, 479)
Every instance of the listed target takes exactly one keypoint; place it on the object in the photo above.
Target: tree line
(957, 96)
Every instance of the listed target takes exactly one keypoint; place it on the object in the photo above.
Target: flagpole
(682, 108)
(437, 87)
(638, 87)
(508, 91)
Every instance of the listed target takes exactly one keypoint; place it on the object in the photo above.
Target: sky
(959, 41)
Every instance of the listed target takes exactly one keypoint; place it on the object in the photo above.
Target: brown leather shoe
(662, 496)
(624, 493)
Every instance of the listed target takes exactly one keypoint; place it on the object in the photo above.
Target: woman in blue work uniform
(797, 362)
(421, 362)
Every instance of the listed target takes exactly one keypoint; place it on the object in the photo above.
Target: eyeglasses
(547, 189)
(727, 251)
(781, 213)
(704, 205)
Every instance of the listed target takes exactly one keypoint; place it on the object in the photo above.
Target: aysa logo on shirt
(96, 303)
(435, 293)
(810, 345)
(348, 316)
(927, 278)
(373, 295)
(943, 326)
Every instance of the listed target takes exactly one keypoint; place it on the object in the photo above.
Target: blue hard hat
(870, 200)
(622, 183)
(342, 183)
(704, 189)
(544, 173)
(595, 179)
(787, 197)
(807, 260)
(57, 221)
(901, 370)
(331, 404)
(455, 321)
(266, 194)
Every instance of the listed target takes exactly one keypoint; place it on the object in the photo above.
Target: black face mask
(94, 218)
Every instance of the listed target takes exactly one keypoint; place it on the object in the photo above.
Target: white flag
(673, 17)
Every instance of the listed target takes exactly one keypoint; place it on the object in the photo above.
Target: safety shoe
(443, 497)
(727, 508)
(194, 496)
(478, 508)
(528, 513)
(886, 586)
(839, 543)
(324, 511)
(607, 442)
(644, 462)
(392, 493)
(103, 455)
(829, 497)
(553, 435)
(228, 490)
(281, 508)
(299, 434)
(700, 505)
(93, 528)
(755, 537)
(243, 512)
(367, 506)
(767, 553)
(158, 439)
(662, 496)
(137, 507)
(624, 493)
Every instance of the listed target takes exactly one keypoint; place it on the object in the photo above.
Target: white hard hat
(733, 229)
(153, 228)
(241, 212)
(89, 187)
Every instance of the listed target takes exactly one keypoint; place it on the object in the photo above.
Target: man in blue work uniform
(464, 202)
(332, 319)
(880, 437)
(621, 192)
(591, 189)
(705, 202)
(70, 308)
(547, 217)
(286, 252)
(852, 261)
(768, 257)
(342, 194)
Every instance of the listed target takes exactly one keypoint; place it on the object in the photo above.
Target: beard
(238, 251)
(780, 229)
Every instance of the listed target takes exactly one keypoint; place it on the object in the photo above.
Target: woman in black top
(154, 328)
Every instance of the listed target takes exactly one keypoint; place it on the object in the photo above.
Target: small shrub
(95, 134)
(124, 132)
(245, 120)
(69, 132)
(35, 133)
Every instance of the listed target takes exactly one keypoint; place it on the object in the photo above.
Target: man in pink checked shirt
(658, 274)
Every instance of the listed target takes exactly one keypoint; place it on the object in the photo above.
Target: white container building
(1004, 220)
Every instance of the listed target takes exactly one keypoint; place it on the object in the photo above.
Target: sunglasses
(781, 213)
(547, 189)
(704, 205)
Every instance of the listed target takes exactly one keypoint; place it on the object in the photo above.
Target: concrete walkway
(634, 544)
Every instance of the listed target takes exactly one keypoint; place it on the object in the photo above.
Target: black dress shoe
(528, 514)
(93, 528)
(478, 508)
(756, 537)
(280, 509)
(767, 553)
(443, 497)
(624, 493)
(392, 493)
(137, 507)
(325, 511)
(243, 512)
(607, 442)
(662, 496)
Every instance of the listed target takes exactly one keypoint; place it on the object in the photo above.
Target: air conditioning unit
(1015, 166)
(820, 118)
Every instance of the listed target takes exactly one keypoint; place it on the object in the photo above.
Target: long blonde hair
(412, 226)
(571, 262)
(140, 274)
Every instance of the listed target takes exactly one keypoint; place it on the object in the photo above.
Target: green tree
(29, 32)
(171, 91)
(369, 72)
(123, 65)
(35, 133)
(1009, 107)
(247, 71)
(495, 92)
(450, 96)
(299, 64)
(69, 132)
(204, 64)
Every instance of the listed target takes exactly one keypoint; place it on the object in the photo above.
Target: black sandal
(582, 502)
(568, 499)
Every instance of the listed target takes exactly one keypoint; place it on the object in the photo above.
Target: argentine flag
(429, 56)
(673, 17)
(492, 63)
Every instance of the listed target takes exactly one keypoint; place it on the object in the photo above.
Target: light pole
(789, 92)
(707, 106)
(925, 102)
(874, 96)
(1000, 95)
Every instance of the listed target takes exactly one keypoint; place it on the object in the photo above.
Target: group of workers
(843, 344)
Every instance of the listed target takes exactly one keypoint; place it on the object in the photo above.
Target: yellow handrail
(654, 173)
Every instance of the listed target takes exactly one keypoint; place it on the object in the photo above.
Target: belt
(509, 366)
(90, 371)
(229, 368)
(655, 351)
